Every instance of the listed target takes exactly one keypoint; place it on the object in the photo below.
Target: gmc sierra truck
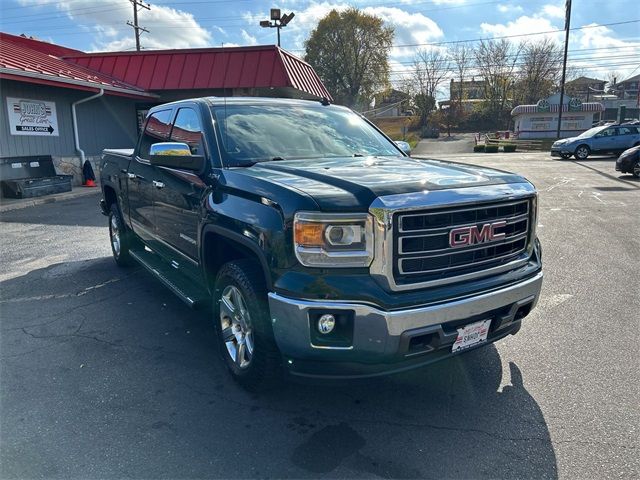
(322, 248)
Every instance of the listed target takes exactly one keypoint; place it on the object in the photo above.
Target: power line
(435, 44)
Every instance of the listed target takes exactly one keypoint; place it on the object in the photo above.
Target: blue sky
(99, 25)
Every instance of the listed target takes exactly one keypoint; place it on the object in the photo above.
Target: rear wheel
(582, 152)
(242, 321)
(120, 237)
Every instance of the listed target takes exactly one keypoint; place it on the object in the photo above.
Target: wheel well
(584, 145)
(110, 196)
(219, 249)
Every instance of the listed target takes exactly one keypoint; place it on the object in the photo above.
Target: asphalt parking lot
(105, 374)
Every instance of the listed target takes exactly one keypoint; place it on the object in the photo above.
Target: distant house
(628, 89)
(467, 92)
(584, 88)
(541, 119)
(392, 103)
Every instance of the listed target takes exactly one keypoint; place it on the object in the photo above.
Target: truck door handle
(158, 184)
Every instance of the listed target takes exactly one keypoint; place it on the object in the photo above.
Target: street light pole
(278, 21)
(567, 27)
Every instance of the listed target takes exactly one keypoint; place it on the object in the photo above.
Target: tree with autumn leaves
(349, 50)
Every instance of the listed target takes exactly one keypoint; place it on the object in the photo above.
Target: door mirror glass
(175, 155)
(404, 146)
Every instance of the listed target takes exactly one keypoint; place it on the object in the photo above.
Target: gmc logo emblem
(465, 236)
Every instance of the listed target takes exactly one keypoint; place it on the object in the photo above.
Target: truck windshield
(259, 133)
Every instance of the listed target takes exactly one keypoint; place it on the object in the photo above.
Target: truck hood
(354, 183)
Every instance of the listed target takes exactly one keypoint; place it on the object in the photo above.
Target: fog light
(326, 323)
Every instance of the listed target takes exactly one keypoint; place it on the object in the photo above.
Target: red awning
(207, 68)
(585, 107)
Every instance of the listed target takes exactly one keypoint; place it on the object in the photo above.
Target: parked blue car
(604, 139)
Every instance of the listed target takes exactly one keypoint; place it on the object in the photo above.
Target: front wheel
(120, 237)
(242, 321)
(582, 152)
(636, 170)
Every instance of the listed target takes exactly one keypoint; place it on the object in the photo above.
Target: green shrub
(509, 147)
(491, 148)
(478, 148)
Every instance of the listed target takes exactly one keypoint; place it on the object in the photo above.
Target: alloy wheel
(236, 326)
(582, 153)
(115, 235)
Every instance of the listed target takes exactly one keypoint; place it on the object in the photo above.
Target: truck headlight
(333, 239)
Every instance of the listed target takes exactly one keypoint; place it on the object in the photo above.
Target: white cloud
(168, 27)
(509, 8)
(249, 39)
(410, 28)
(521, 26)
(553, 11)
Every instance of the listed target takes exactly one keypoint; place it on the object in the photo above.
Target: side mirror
(404, 146)
(175, 155)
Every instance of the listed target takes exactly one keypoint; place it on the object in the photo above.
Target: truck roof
(221, 101)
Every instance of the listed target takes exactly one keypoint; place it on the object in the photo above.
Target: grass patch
(393, 128)
(509, 148)
(478, 148)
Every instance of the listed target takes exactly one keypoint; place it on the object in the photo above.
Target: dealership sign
(32, 117)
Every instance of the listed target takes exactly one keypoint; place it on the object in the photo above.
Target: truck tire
(582, 152)
(119, 237)
(243, 326)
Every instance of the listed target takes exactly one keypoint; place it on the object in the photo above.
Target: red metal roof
(39, 62)
(140, 73)
(207, 68)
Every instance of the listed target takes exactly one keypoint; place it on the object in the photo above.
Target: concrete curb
(16, 204)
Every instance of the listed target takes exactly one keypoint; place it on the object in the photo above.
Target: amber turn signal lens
(309, 234)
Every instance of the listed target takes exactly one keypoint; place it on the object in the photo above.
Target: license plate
(471, 335)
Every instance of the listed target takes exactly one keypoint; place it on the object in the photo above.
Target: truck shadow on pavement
(106, 374)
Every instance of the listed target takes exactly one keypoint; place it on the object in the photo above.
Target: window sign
(32, 117)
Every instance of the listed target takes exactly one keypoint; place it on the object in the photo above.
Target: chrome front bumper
(381, 336)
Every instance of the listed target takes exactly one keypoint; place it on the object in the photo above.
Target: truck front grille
(423, 250)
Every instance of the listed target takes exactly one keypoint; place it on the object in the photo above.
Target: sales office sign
(32, 117)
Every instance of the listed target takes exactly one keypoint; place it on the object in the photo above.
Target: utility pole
(137, 28)
(567, 27)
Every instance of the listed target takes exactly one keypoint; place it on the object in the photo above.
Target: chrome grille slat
(458, 267)
(422, 247)
(445, 230)
(453, 211)
(419, 254)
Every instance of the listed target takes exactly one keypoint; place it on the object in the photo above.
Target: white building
(541, 120)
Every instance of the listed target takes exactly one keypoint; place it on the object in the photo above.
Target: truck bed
(120, 152)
